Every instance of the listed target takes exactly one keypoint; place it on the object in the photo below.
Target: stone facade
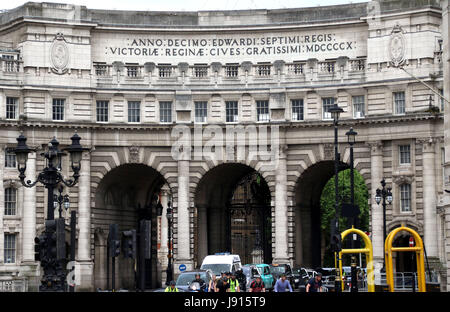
(126, 80)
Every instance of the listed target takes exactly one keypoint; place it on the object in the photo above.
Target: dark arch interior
(126, 195)
(214, 196)
(309, 250)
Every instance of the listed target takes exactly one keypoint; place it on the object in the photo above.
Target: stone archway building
(127, 89)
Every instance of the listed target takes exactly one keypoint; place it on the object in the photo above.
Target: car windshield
(216, 268)
(246, 270)
(186, 278)
(278, 269)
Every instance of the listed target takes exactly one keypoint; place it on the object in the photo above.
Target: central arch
(233, 213)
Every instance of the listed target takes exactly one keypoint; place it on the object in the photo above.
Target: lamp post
(335, 113)
(385, 195)
(61, 200)
(54, 278)
(351, 138)
(169, 270)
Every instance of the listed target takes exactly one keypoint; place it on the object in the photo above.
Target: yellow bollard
(388, 250)
(367, 250)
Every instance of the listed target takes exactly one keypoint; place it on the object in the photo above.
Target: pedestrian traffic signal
(129, 244)
(336, 242)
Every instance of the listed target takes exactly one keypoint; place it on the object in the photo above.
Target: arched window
(405, 197)
(10, 201)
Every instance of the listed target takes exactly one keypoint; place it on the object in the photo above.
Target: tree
(327, 207)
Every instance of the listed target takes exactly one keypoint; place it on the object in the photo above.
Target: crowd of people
(236, 282)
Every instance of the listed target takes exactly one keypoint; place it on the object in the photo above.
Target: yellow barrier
(367, 250)
(388, 249)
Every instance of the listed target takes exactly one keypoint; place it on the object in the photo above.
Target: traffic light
(114, 242)
(129, 244)
(39, 248)
(336, 242)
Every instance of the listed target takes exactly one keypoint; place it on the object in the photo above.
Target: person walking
(282, 284)
(171, 287)
(223, 285)
(234, 283)
(212, 284)
(315, 284)
(257, 285)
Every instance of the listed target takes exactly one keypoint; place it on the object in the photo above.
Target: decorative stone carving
(216, 66)
(427, 144)
(402, 179)
(59, 54)
(149, 67)
(246, 66)
(376, 147)
(397, 46)
(278, 65)
(134, 154)
(183, 67)
(328, 151)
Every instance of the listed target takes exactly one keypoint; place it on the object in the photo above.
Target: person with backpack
(257, 285)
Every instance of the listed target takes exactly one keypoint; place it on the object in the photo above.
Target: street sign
(182, 267)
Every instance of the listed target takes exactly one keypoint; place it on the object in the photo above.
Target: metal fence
(14, 286)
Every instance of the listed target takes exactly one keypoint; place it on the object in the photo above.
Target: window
(263, 70)
(405, 197)
(11, 108)
(262, 110)
(58, 109)
(201, 111)
(165, 70)
(399, 102)
(102, 111)
(10, 201)
(134, 111)
(200, 70)
(231, 70)
(297, 109)
(327, 67)
(10, 248)
(132, 71)
(100, 69)
(296, 68)
(231, 108)
(10, 64)
(358, 65)
(165, 111)
(405, 154)
(10, 158)
(358, 106)
(327, 103)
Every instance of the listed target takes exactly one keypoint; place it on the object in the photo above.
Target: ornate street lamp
(384, 194)
(54, 278)
(61, 201)
(335, 113)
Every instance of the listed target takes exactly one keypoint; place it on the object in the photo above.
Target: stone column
(376, 171)
(429, 198)
(2, 202)
(183, 220)
(84, 259)
(164, 234)
(281, 210)
(29, 212)
(202, 233)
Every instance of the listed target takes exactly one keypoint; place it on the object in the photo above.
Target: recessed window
(10, 201)
(405, 154)
(10, 158)
(10, 248)
(164, 70)
(358, 106)
(101, 69)
(327, 103)
(200, 70)
(132, 71)
(297, 109)
(399, 102)
(201, 111)
(11, 108)
(231, 109)
(231, 70)
(405, 197)
(134, 111)
(58, 109)
(262, 110)
(263, 70)
(165, 111)
(102, 111)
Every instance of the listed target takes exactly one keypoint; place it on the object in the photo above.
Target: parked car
(221, 262)
(264, 271)
(185, 279)
(278, 269)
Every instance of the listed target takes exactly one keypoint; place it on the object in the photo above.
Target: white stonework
(117, 72)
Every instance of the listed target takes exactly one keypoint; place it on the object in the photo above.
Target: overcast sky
(187, 5)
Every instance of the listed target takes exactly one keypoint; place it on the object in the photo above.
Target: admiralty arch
(146, 91)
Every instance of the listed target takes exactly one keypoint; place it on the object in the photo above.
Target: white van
(221, 262)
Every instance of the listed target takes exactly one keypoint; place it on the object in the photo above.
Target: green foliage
(327, 207)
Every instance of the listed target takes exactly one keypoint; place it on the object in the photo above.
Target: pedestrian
(282, 284)
(222, 285)
(171, 287)
(315, 284)
(212, 284)
(234, 283)
(257, 285)
(242, 280)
